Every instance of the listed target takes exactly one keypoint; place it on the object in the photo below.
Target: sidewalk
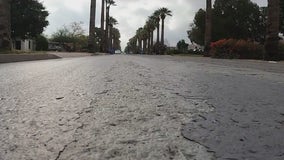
(8, 58)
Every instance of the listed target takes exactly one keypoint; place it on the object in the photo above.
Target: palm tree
(112, 22)
(144, 37)
(272, 39)
(208, 24)
(139, 38)
(156, 16)
(151, 25)
(109, 3)
(5, 25)
(164, 12)
(116, 37)
(102, 26)
(91, 42)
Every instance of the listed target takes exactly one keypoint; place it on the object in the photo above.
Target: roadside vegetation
(229, 29)
(224, 29)
(143, 41)
(26, 20)
(240, 29)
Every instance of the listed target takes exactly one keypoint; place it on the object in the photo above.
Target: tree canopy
(182, 46)
(73, 33)
(240, 19)
(282, 16)
(28, 18)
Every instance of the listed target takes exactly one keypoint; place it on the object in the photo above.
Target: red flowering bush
(236, 49)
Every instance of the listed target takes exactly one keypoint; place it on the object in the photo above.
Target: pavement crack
(199, 143)
(64, 148)
(103, 92)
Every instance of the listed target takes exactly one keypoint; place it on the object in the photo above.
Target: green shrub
(159, 48)
(172, 51)
(236, 49)
(41, 43)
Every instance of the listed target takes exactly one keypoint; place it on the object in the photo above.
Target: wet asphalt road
(141, 107)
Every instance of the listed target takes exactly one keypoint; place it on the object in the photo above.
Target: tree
(28, 18)
(208, 26)
(144, 36)
(182, 46)
(109, 3)
(282, 16)
(92, 26)
(197, 32)
(163, 13)
(239, 19)
(5, 25)
(73, 34)
(151, 23)
(41, 43)
(76, 31)
(156, 16)
(62, 35)
(272, 39)
(139, 38)
(102, 26)
(116, 39)
(112, 22)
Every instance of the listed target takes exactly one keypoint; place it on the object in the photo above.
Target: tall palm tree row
(156, 16)
(151, 25)
(5, 25)
(208, 26)
(116, 39)
(112, 22)
(272, 37)
(145, 35)
(164, 12)
(92, 26)
(109, 3)
(102, 26)
(139, 39)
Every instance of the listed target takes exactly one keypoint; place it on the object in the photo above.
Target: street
(141, 107)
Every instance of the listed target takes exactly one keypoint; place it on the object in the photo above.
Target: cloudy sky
(131, 14)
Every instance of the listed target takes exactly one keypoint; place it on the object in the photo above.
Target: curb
(8, 58)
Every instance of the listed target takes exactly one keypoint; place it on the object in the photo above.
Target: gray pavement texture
(141, 107)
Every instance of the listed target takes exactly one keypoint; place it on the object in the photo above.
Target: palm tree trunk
(102, 26)
(5, 25)
(272, 39)
(163, 31)
(140, 45)
(152, 41)
(110, 37)
(149, 42)
(91, 42)
(107, 30)
(208, 27)
(158, 32)
(144, 45)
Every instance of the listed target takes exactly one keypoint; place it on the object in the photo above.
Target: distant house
(56, 46)
(24, 45)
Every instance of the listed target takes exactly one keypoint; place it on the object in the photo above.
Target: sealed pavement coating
(135, 107)
(248, 118)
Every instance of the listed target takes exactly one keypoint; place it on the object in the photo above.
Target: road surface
(141, 107)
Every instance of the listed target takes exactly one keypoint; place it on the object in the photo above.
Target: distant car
(118, 52)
